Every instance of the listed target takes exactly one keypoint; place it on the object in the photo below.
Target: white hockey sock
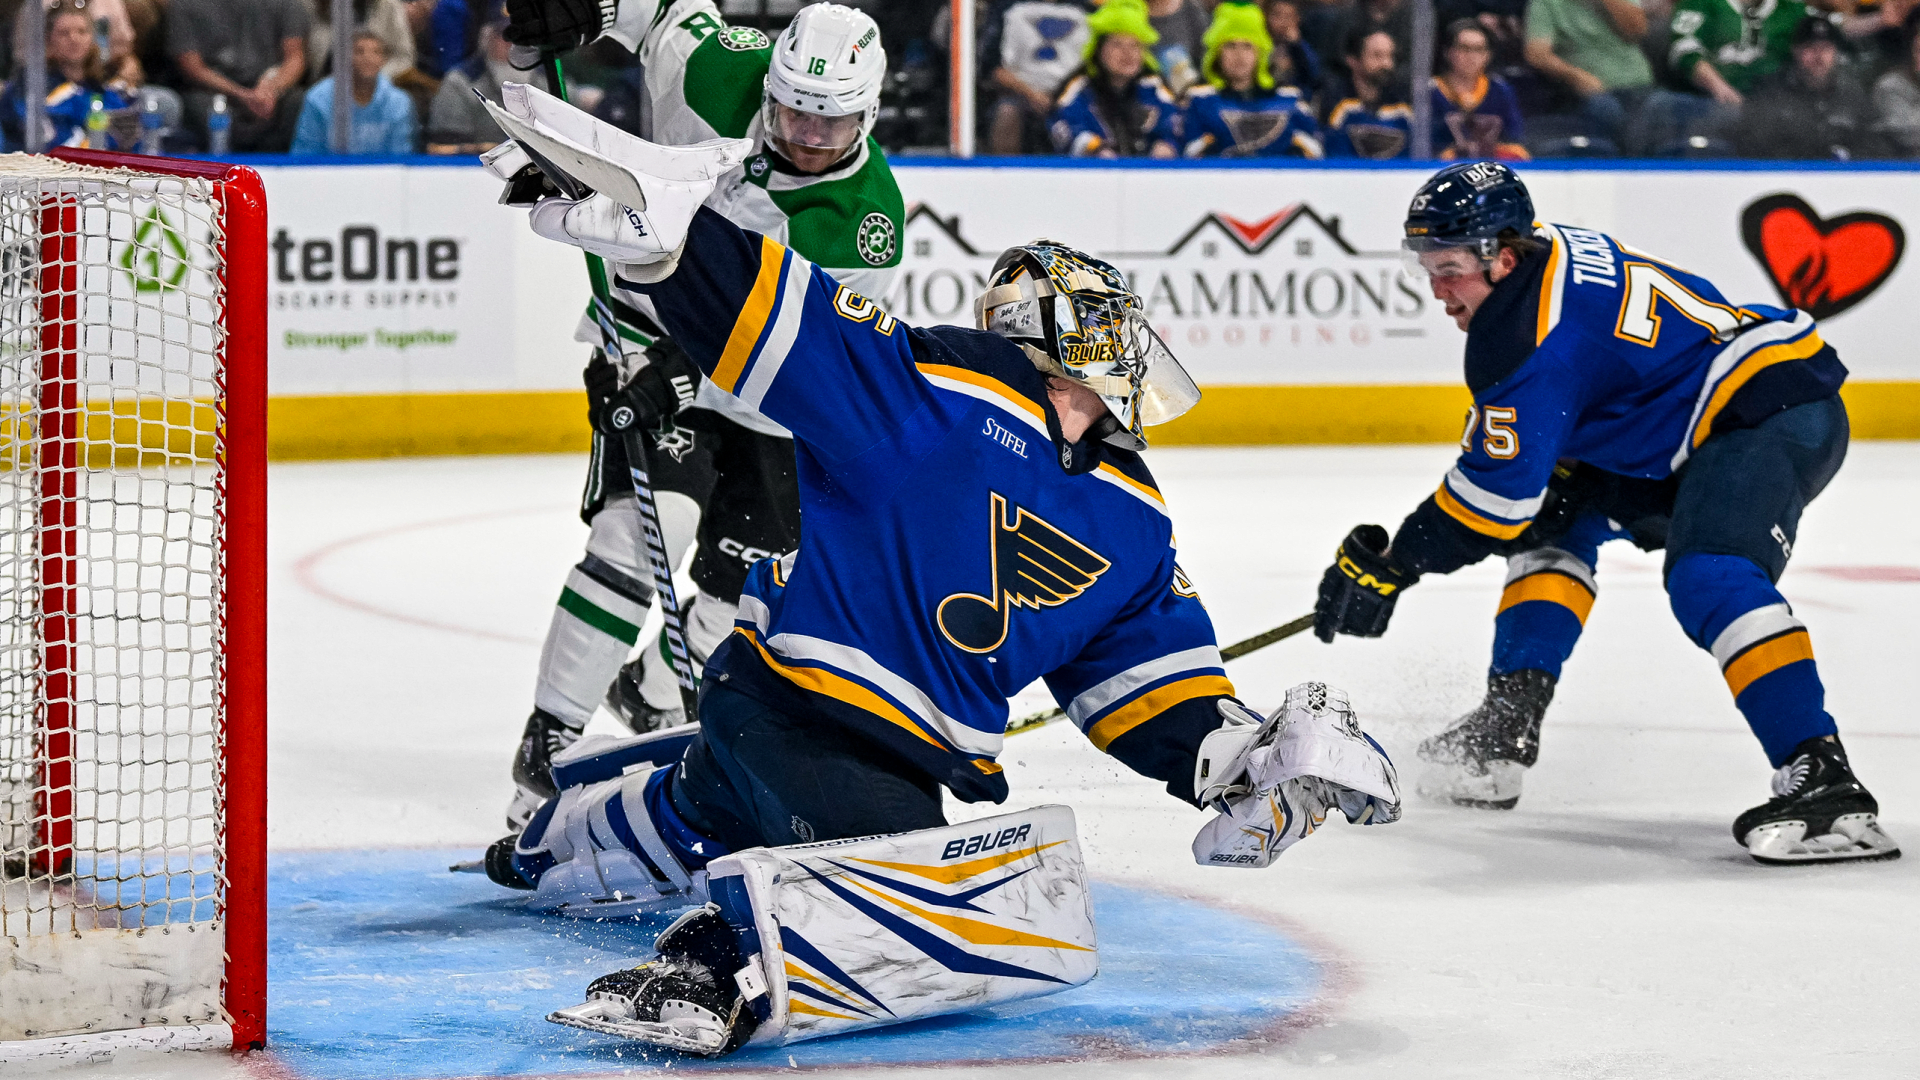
(709, 621)
(604, 604)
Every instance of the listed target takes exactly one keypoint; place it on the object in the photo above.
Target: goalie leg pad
(852, 934)
(595, 852)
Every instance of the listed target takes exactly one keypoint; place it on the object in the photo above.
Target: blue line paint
(383, 966)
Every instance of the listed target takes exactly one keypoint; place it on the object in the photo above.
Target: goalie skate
(1482, 759)
(681, 1000)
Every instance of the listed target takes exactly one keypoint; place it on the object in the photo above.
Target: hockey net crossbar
(132, 604)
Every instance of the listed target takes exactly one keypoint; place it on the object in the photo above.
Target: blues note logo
(1034, 565)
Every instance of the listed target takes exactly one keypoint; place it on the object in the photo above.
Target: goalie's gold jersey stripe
(753, 317)
(1152, 704)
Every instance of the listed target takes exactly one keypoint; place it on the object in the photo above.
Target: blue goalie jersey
(947, 558)
(1598, 353)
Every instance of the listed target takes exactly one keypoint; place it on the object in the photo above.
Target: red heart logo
(1821, 266)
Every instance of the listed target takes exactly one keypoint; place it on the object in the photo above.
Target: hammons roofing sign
(1282, 296)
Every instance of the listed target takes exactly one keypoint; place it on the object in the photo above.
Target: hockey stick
(1232, 652)
(639, 461)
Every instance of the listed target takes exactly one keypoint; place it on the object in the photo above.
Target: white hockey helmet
(823, 86)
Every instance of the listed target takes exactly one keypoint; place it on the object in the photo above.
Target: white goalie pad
(608, 859)
(856, 934)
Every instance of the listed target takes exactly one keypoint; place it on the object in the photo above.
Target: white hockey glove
(1274, 781)
(623, 198)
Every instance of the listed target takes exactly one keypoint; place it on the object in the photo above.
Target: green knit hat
(1120, 17)
(1237, 22)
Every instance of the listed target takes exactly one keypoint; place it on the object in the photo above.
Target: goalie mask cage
(132, 604)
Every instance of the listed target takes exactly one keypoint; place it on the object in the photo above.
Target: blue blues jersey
(1379, 131)
(947, 558)
(1265, 123)
(1082, 125)
(1598, 353)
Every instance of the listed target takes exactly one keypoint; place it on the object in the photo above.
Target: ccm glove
(1358, 591)
(558, 24)
(659, 390)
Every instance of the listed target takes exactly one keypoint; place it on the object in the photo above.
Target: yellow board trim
(1552, 588)
(973, 931)
(1767, 658)
(822, 681)
(1466, 515)
(752, 318)
(957, 872)
(1747, 369)
(1152, 704)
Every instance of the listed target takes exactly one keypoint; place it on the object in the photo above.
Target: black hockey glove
(1358, 591)
(661, 389)
(557, 24)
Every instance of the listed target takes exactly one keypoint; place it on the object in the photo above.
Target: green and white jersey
(1744, 41)
(705, 80)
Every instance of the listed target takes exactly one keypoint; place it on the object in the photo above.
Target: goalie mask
(1074, 316)
(823, 85)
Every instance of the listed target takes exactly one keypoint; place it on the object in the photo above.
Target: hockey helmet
(823, 85)
(1465, 208)
(1074, 316)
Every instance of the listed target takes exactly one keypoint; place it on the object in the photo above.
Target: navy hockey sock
(1729, 607)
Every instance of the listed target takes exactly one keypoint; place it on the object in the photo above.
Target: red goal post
(132, 604)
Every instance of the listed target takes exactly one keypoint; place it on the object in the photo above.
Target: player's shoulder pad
(1503, 333)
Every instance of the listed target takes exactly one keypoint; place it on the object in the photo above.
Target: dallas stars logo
(876, 238)
(743, 39)
(1034, 565)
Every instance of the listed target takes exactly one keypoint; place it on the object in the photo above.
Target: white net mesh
(111, 487)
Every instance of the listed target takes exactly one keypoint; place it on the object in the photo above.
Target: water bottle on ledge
(97, 123)
(153, 124)
(219, 127)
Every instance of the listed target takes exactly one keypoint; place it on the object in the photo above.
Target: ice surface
(1608, 927)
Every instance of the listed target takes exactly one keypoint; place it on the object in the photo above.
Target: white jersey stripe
(1499, 506)
(786, 327)
(1123, 685)
(1728, 359)
(852, 661)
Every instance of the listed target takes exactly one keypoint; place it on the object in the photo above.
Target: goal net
(132, 599)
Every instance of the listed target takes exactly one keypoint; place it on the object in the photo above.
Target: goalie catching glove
(1274, 781)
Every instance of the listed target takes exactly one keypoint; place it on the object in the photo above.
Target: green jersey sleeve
(704, 77)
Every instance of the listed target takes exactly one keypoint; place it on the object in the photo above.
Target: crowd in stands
(1513, 79)
(255, 76)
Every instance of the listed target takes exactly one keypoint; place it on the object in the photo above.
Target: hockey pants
(1735, 520)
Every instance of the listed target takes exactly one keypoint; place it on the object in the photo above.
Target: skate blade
(687, 1034)
(1492, 786)
(1855, 838)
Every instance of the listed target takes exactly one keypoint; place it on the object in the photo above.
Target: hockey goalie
(977, 516)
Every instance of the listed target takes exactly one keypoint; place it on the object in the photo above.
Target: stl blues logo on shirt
(1034, 565)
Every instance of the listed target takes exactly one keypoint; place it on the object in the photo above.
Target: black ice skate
(1481, 759)
(685, 999)
(1819, 813)
(625, 702)
(545, 736)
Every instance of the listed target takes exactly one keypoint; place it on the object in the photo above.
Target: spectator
(1591, 48)
(1237, 112)
(383, 121)
(458, 123)
(252, 51)
(120, 37)
(443, 37)
(1814, 108)
(1475, 115)
(76, 73)
(1879, 27)
(1896, 102)
(1724, 47)
(1040, 46)
(1364, 17)
(1182, 26)
(386, 19)
(1292, 62)
(1117, 107)
(1367, 114)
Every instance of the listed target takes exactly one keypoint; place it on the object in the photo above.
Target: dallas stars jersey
(947, 559)
(704, 80)
(1606, 355)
